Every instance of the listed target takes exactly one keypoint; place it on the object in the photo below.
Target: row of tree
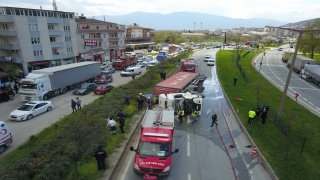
(310, 42)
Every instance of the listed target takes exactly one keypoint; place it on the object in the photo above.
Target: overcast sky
(282, 10)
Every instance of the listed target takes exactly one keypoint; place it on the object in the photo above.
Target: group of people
(194, 115)
(111, 123)
(258, 112)
(75, 105)
(8, 92)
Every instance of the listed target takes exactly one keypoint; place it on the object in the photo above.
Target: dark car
(102, 89)
(85, 88)
(103, 78)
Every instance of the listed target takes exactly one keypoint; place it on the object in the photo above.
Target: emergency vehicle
(5, 137)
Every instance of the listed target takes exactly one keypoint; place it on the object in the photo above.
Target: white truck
(311, 72)
(300, 62)
(43, 84)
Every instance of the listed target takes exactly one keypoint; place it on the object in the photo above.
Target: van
(129, 53)
(5, 137)
(130, 70)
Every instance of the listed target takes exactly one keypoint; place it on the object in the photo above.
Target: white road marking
(188, 145)
(310, 103)
(189, 177)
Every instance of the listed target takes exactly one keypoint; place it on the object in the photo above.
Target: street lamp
(284, 94)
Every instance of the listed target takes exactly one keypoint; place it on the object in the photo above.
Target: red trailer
(175, 84)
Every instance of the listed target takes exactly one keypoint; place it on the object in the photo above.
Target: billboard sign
(90, 42)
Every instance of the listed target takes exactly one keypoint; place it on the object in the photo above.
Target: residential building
(138, 37)
(36, 38)
(99, 40)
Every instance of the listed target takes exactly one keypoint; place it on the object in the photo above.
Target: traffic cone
(254, 151)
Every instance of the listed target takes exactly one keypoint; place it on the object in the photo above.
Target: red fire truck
(188, 66)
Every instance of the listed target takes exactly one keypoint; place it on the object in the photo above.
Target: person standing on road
(251, 114)
(194, 115)
(73, 105)
(16, 88)
(100, 156)
(133, 75)
(181, 114)
(78, 103)
(214, 119)
(264, 115)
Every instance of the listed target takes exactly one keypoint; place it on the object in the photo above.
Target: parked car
(30, 110)
(102, 89)
(85, 88)
(146, 62)
(111, 70)
(280, 49)
(206, 57)
(103, 78)
(140, 64)
(211, 62)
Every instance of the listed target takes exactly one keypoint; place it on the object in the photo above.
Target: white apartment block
(36, 38)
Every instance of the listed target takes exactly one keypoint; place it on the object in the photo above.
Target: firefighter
(181, 114)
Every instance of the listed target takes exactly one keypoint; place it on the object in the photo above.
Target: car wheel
(86, 93)
(30, 116)
(45, 97)
(111, 80)
(2, 149)
(49, 108)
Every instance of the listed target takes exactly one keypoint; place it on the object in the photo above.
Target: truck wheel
(63, 91)
(45, 97)
(29, 117)
(2, 149)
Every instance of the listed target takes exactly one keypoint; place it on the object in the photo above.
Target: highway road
(204, 151)
(276, 72)
(21, 131)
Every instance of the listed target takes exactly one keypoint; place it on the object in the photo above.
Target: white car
(206, 57)
(211, 62)
(30, 109)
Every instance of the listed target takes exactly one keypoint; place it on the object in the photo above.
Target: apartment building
(138, 37)
(99, 40)
(36, 38)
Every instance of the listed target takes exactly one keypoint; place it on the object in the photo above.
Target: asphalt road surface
(276, 72)
(21, 131)
(204, 151)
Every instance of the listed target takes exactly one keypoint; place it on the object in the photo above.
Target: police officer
(181, 114)
(252, 115)
(121, 121)
(100, 156)
(120, 114)
(214, 119)
(140, 101)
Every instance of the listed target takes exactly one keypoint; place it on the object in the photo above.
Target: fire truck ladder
(158, 119)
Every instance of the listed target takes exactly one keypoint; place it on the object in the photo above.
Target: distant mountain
(300, 24)
(186, 20)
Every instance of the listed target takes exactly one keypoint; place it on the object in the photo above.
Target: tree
(12, 69)
(310, 40)
(238, 39)
(80, 132)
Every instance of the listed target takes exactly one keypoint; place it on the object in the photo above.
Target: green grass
(270, 137)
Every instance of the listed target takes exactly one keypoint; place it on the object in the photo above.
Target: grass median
(281, 142)
(69, 144)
